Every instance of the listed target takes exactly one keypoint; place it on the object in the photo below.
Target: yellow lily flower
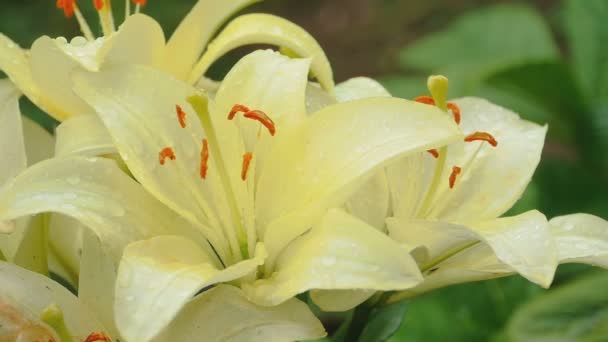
(446, 203)
(140, 40)
(227, 184)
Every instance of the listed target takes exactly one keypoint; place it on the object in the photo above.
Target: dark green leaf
(383, 322)
(577, 311)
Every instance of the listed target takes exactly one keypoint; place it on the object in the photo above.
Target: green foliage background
(548, 60)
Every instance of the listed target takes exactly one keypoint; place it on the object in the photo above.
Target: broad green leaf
(383, 323)
(577, 311)
(480, 43)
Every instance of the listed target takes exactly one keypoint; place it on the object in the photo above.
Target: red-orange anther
(181, 116)
(99, 4)
(204, 166)
(425, 99)
(68, 7)
(263, 119)
(246, 161)
(434, 153)
(455, 172)
(97, 337)
(165, 153)
(455, 111)
(140, 2)
(481, 136)
(235, 109)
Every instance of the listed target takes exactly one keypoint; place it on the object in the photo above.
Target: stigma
(481, 136)
(245, 168)
(454, 175)
(165, 153)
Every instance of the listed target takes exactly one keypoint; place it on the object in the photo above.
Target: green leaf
(383, 322)
(577, 311)
(480, 43)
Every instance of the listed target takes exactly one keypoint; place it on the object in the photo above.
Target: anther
(181, 116)
(246, 161)
(67, 6)
(434, 153)
(204, 166)
(263, 119)
(455, 111)
(165, 153)
(98, 337)
(481, 136)
(455, 172)
(425, 99)
(98, 4)
(140, 2)
(235, 109)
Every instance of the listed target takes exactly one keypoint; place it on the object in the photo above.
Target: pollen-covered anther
(425, 99)
(434, 153)
(99, 4)
(165, 153)
(98, 337)
(455, 111)
(454, 175)
(68, 7)
(236, 109)
(181, 116)
(204, 166)
(481, 136)
(245, 168)
(264, 119)
(140, 2)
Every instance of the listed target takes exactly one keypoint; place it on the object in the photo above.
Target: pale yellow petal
(83, 135)
(94, 191)
(39, 143)
(317, 98)
(339, 300)
(223, 314)
(492, 178)
(26, 295)
(524, 242)
(194, 32)
(340, 253)
(138, 106)
(359, 88)
(31, 253)
(320, 163)
(371, 201)
(266, 29)
(157, 277)
(13, 158)
(581, 238)
(65, 246)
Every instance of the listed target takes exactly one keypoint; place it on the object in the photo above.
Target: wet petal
(339, 300)
(83, 135)
(359, 88)
(13, 158)
(320, 163)
(157, 277)
(39, 143)
(224, 314)
(193, 33)
(266, 29)
(371, 201)
(340, 253)
(581, 238)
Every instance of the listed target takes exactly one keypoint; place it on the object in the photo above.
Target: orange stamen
(140, 2)
(165, 153)
(455, 111)
(455, 172)
(434, 153)
(204, 159)
(425, 99)
(263, 119)
(246, 161)
(181, 116)
(98, 4)
(481, 136)
(96, 337)
(67, 6)
(237, 108)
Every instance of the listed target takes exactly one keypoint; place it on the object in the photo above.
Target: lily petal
(138, 106)
(340, 253)
(157, 277)
(83, 135)
(339, 300)
(581, 238)
(522, 242)
(94, 191)
(39, 143)
(493, 178)
(371, 201)
(360, 88)
(224, 314)
(193, 33)
(12, 145)
(24, 295)
(266, 29)
(320, 163)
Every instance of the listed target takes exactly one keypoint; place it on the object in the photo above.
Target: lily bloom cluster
(187, 209)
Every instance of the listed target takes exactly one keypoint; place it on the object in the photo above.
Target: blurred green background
(547, 60)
